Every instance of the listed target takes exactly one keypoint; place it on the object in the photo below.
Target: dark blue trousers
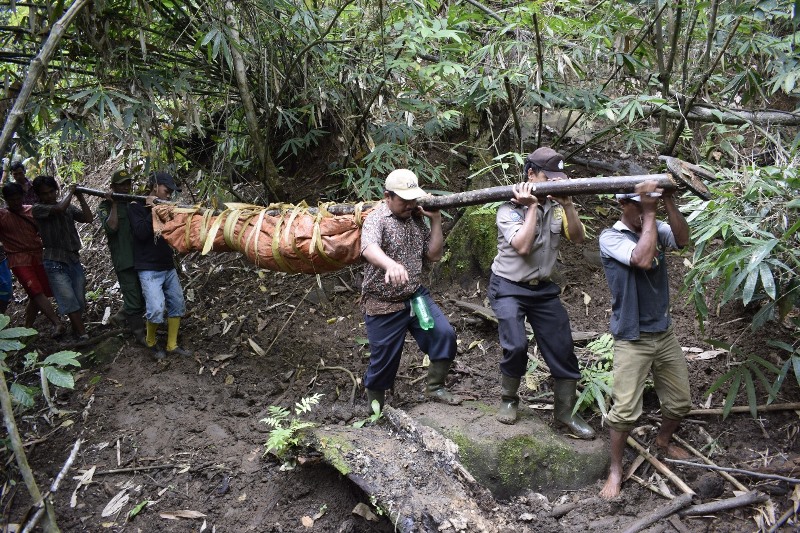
(514, 302)
(387, 333)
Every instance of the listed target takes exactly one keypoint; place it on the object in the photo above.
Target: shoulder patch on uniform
(515, 216)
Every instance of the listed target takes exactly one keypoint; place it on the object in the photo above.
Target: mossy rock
(470, 246)
(508, 460)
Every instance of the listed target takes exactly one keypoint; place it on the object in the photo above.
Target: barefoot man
(633, 254)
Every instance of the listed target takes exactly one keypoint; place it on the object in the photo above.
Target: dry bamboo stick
(723, 505)
(735, 482)
(746, 409)
(791, 480)
(661, 467)
(54, 486)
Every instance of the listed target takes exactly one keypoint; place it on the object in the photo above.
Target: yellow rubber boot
(150, 338)
(173, 325)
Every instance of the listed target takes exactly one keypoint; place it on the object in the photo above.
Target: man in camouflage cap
(113, 215)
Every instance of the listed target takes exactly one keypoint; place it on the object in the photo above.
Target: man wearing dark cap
(155, 265)
(113, 215)
(633, 255)
(396, 243)
(529, 231)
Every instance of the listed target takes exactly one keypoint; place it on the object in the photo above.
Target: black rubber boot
(437, 372)
(507, 414)
(564, 403)
(379, 395)
(136, 324)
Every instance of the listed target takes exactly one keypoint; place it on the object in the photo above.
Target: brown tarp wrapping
(294, 240)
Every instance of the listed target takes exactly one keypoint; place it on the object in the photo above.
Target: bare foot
(59, 331)
(612, 487)
(673, 451)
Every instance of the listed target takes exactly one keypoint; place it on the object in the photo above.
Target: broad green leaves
(746, 243)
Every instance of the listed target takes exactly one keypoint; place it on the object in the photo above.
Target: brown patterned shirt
(405, 241)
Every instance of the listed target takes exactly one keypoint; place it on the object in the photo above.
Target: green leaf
(22, 395)
(749, 287)
(731, 397)
(58, 377)
(4, 321)
(63, 358)
(10, 346)
(14, 333)
(137, 509)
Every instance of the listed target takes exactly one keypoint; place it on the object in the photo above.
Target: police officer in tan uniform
(529, 231)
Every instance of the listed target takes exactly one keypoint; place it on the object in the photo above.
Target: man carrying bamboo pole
(113, 216)
(20, 234)
(396, 242)
(529, 231)
(154, 262)
(633, 255)
(56, 220)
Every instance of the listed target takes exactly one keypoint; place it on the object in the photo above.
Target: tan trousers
(661, 353)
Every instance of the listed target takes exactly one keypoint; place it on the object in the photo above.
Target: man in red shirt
(20, 236)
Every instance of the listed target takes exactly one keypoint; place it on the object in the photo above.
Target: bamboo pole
(746, 409)
(597, 185)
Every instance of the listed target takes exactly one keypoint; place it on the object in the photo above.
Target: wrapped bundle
(284, 238)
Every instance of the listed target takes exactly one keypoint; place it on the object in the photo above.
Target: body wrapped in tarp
(283, 238)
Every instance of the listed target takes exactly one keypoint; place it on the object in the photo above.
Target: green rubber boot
(437, 372)
(379, 395)
(507, 414)
(564, 403)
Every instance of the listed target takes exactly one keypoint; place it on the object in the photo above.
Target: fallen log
(409, 471)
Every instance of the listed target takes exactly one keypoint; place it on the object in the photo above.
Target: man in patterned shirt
(396, 243)
(56, 220)
(529, 231)
(23, 245)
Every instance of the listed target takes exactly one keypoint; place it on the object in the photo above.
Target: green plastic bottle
(419, 308)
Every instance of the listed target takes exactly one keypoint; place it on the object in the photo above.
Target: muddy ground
(187, 435)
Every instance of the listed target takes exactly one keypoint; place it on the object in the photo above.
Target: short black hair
(530, 165)
(12, 189)
(15, 165)
(44, 181)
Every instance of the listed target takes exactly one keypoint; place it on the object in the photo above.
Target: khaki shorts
(632, 362)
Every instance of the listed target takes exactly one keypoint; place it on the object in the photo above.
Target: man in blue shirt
(633, 255)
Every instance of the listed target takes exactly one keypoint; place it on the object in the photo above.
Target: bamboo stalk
(735, 482)
(723, 505)
(19, 454)
(746, 409)
(37, 66)
(791, 480)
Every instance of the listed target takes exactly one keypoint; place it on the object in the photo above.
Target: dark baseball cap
(120, 176)
(163, 178)
(550, 161)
